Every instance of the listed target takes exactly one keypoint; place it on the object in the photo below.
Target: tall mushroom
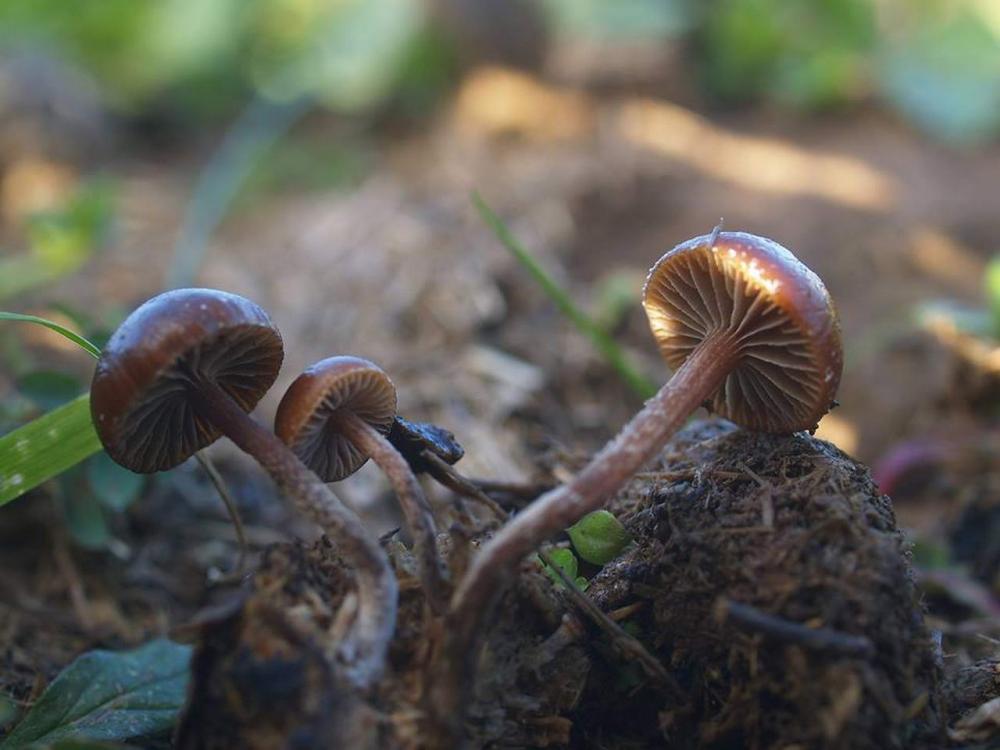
(184, 369)
(749, 330)
(335, 416)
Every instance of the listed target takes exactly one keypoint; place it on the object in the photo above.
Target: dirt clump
(780, 595)
(766, 575)
(264, 674)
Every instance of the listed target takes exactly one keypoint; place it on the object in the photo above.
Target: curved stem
(227, 499)
(446, 475)
(497, 562)
(416, 509)
(365, 650)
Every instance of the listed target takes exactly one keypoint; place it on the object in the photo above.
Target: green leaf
(599, 338)
(115, 486)
(52, 325)
(48, 389)
(8, 710)
(598, 537)
(46, 447)
(109, 696)
(565, 560)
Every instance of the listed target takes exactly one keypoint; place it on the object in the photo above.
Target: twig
(628, 646)
(750, 619)
(447, 476)
(571, 629)
(511, 495)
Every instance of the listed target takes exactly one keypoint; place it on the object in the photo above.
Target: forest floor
(399, 268)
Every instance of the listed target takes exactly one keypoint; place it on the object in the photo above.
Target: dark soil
(767, 574)
(780, 592)
(399, 269)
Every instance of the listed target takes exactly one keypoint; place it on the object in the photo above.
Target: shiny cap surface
(335, 383)
(777, 313)
(139, 396)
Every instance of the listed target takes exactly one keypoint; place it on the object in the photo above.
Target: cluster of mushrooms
(749, 330)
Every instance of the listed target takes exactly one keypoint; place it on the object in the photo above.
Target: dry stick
(826, 640)
(444, 473)
(365, 651)
(234, 514)
(520, 494)
(628, 646)
(518, 489)
(416, 509)
(497, 563)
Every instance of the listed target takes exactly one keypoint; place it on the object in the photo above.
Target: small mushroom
(183, 370)
(336, 416)
(751, 332)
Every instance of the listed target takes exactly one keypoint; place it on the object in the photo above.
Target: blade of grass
(599, 338)
(259, 126)
(53, 443)
(52, 325)
(45, 447)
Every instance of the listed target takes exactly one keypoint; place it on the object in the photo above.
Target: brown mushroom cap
(777, 313)
(302, 421)
(139, 398)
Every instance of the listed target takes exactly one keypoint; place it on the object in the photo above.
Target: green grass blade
(258, 128)
(601, 341)
(46, 447)
(52, 325)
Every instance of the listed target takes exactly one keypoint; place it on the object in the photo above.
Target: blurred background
(319, 156)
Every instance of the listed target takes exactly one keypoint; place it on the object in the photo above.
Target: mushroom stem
(497, 562)
(365, 650)
(416, 509)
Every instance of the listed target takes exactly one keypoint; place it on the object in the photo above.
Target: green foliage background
(935, 61)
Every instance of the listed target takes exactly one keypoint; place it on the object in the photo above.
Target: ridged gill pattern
(164, 426)
(724, 291)
(370, 395)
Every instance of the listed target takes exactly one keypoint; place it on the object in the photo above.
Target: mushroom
(336, 416)
(748, 329)
(185, 368)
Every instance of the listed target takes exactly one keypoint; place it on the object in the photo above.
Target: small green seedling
(598, 537)
(566, 561)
